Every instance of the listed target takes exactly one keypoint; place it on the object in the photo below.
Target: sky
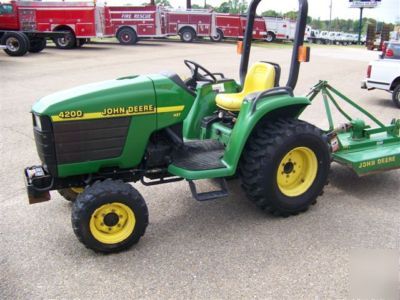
(388, 10)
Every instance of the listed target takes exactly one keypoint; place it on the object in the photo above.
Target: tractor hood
(119, 97)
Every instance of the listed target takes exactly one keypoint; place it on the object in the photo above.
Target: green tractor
(95, 139)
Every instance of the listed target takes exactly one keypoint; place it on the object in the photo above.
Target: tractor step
(199, 155)
(212, 195)
(370, 160)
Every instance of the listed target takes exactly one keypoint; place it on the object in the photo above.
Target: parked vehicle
(375, 39)
(233, 26)
(129, 23)
(18, 31)
(384, 74)
(390, 50)
(190, 24)
(279, 28)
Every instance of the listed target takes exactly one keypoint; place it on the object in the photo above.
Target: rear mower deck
(364, 149)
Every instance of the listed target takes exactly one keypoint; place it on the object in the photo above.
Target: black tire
(219, 37)
(270, 37)
(17, 43)
(263, 156)
(80, 42)
(127, 36)
(187, 35)
(66, 42)
(95, 200)
(396, 95)
(69, 194)
(37, 45)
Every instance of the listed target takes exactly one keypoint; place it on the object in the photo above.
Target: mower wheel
(37, 45)
(109, 216)
(70, 194)
(284, 166)
(396, 95)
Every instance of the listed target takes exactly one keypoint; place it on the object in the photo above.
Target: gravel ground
(219, 249)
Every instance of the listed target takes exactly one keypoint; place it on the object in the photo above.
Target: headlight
(38, 122)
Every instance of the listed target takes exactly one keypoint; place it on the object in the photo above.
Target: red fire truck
(18, 31)
(131, 23)
(232, 26)
(82, 20)
(190, 24)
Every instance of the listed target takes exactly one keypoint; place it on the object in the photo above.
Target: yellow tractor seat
(260, 77)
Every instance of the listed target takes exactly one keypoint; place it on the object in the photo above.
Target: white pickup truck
(384, 74)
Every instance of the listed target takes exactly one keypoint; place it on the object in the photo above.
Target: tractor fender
(272, 108)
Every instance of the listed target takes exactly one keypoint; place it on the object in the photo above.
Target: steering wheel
(196, 75)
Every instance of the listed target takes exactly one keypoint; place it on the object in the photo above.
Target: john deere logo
(128, 110)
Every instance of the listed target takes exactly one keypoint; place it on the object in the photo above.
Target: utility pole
(330, 16)
(360, 25)
(188, 4)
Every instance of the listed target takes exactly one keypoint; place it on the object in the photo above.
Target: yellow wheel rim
(297, 171)
(112, 223)
(77, 190)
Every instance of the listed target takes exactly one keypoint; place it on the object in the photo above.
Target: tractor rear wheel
(284, 166)
(109, 216)
(396, 95)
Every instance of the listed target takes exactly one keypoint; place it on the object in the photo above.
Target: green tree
(163, 3)
(233, 7)
(291, 15)
(271, 13)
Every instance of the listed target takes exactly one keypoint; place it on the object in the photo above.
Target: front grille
(45, 144)
(88, 140)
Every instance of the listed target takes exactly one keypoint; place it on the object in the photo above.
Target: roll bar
(298, 41)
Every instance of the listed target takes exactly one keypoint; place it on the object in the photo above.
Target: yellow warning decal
(112, 112)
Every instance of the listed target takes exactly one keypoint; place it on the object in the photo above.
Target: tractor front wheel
(109, 216)
(285, 166)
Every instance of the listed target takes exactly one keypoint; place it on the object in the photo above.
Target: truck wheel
(16, 42)
(218, 37)
(70, 194)
(396, 96)
(187, 35)
(285, 166)
(270, 37)
(127, 36)
(66, 42)
(37, 45)
(109, 216)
